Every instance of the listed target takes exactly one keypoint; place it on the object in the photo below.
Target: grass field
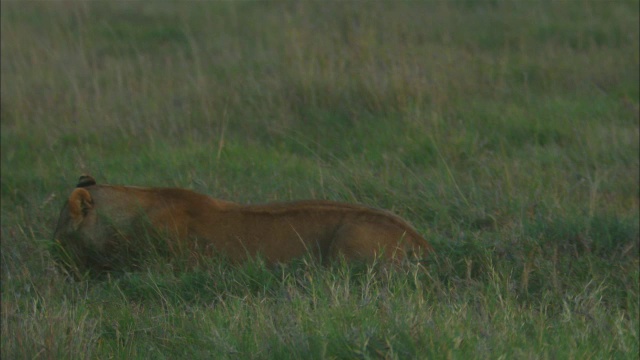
(506, 132)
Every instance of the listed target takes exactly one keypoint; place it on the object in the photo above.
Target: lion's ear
(80, 202)
(86, 180)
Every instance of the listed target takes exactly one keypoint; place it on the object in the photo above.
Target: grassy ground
(506, 132)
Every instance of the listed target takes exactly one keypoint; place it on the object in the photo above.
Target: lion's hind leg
(366, 242)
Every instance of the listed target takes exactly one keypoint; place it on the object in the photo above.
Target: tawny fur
(100, 218)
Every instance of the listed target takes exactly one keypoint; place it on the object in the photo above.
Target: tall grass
(506, 132)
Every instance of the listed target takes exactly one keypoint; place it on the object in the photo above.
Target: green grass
(506, 132)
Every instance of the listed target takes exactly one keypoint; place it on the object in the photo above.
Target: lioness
(102, 224)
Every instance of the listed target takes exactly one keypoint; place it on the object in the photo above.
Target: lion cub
(106, 226)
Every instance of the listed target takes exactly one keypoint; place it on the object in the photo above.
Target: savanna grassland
(506, 132)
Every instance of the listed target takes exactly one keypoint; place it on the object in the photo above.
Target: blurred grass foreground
(507, 132)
